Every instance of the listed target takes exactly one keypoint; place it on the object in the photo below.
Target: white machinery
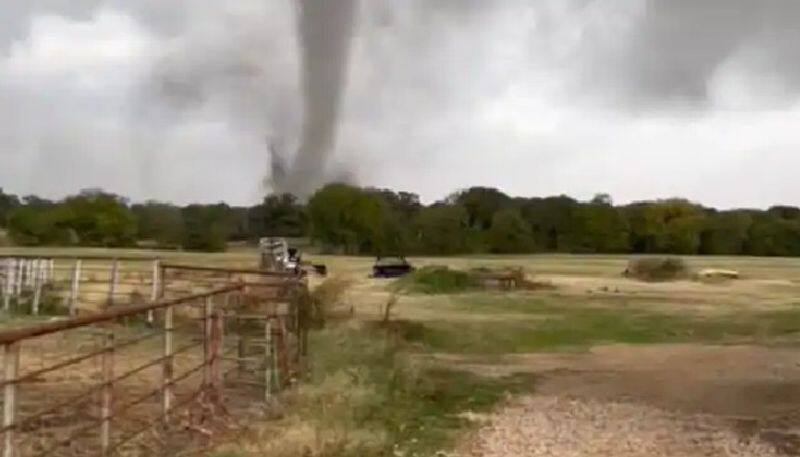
(276, 255)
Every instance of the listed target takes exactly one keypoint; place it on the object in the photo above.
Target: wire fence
(155, 378)
(68, 285)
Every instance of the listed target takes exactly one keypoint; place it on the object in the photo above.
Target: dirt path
(663, 400)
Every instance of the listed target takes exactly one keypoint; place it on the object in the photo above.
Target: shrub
(320, 303)
(437, 280)
(657, 268)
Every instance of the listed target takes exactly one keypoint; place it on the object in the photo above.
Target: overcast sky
(176, 100)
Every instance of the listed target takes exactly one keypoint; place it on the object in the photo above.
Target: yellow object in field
(711, 273)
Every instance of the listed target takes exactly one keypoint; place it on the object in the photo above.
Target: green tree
(552, 221)
(441, 229)
(773, 236)
(279, 215)
(789, 213)
(510, 234)
(92, 218)
(352, 219)
(600, 227)
(8, 203)
(665, 226)
(404, 204)
(36, 226)
(481, 204)
(206, 227)
(98, 219)
(725, 233)
(159, 222)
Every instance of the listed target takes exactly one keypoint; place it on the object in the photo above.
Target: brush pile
(657, 269)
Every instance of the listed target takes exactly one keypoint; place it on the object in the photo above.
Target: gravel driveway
(561, 427)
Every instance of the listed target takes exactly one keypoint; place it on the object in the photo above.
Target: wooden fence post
(37, 286)
(268, 360)
(208, 310)
(112, 282)
(42, 273)
(241, 350)
(279, 352)
(107, 393)
(18, 277)
(74, 289)
(9, 284)
(10, 373)
(22, 269)
(28, 272)
(162, 280)
(218, 333)
(167, 364)
(155, 288)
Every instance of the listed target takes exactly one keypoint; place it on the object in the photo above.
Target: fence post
(218, 339)
(167, 364)
(23, 268)
(9, 284)
(112, 282)
(268, 360)
(73, 291)
(28, 263)
(155, 288)
(18, 277)
(37, 286)
(10, 372)
(45, 270)
(241, 351)
(107, 394)
(162, 276)
(279, 344)
(208, 310)
(51, 276)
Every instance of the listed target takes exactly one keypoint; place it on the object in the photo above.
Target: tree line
(341, 218)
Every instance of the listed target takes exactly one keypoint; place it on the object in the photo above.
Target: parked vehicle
(391, 267)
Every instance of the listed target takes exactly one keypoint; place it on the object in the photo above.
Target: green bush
(5, 240)
(437, 280)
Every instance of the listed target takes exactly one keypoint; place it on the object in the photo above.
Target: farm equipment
(277, 255)
(391, 267)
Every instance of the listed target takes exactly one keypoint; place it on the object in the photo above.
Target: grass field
(424, 381)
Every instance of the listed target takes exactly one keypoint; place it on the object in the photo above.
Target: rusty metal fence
(155, 378)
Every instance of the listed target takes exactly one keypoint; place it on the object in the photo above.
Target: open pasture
(595, 364)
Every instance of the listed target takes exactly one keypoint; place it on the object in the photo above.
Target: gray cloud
(179, 100)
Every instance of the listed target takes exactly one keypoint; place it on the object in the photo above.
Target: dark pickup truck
(391, 267)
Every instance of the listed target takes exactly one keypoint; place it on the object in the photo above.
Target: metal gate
(153, 378)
